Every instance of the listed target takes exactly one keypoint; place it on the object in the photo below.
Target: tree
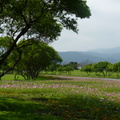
(4, 46)
(74, 65)
(68, 69)
(116, 68)
(60, 69)
(101, 67)
(34, 59)
(109, 69)
(53, 67)
(87, 68)
(39, 19)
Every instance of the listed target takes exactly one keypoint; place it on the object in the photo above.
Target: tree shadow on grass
(78, 107)
(18, 109)
(87, 108)
(73, 107)
(52, 77)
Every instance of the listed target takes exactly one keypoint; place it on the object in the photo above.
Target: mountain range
(111, 55)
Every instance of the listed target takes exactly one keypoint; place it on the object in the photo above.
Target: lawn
(79, 73)
(59, 99)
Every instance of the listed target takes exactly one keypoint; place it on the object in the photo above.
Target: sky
(101, 30)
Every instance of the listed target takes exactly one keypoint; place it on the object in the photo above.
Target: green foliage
(87, 69)
(116, 67)
(35, 58)
(64, 69)
(68, 69)
(5, 44)
(74, 65)
(43, 14)
(39, 19)
(109, 69)
(52, 67)
(106, 68)
(101, 67)
(60, 69)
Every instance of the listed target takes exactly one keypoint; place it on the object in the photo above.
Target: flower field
(60, 99)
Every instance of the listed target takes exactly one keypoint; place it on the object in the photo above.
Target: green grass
(8, 77)
(20, 78)
(79, 73)
(59, 99)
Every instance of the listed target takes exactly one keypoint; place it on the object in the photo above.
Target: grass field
(59, 99)
(84, 74)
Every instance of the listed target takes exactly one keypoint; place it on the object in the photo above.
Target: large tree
(39, 19)
(34, 59)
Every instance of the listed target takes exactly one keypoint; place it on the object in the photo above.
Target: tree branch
(5, 55)
(3, 73)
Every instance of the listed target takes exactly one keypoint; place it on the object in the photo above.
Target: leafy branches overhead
(39, 19)
(19, 16)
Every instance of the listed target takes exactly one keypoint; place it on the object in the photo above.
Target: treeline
(105, 68)
(65, 68)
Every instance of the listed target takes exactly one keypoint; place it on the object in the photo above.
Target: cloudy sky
(101, 30)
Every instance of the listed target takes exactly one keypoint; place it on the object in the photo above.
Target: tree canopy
(38, 19)
(101, 67)
(34, 59)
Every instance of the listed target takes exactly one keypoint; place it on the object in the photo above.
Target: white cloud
(101, 30)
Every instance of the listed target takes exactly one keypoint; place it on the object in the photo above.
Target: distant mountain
(111, 55)
(115, 50)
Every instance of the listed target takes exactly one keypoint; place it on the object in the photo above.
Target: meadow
(79, 73)
(59, 98)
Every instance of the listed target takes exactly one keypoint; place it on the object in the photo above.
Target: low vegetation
(102, 69)
(54, 98)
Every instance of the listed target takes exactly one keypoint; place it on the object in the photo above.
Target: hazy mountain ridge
(111, 55)
(115, 50)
